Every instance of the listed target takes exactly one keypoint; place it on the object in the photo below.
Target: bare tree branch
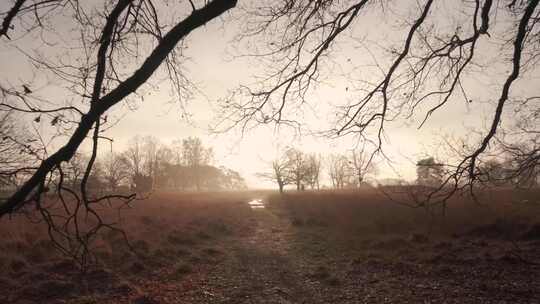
(99, 107)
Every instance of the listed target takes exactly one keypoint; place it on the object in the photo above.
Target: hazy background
(212, 66)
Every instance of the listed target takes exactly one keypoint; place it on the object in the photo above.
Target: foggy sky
(213, 69)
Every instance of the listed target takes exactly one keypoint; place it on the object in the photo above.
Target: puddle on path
(256, 203)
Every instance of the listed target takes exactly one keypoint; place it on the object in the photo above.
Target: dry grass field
(303, 247)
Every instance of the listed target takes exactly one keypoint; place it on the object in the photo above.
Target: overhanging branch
(196, 19)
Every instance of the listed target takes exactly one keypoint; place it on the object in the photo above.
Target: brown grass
(369, 212)
(171, 235)
(176, 237)
(479, 253)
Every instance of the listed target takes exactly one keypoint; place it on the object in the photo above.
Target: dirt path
(258, 267)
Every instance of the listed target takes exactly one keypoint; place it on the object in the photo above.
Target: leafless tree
(74, 170)
(182, 165)
(195, 156)
(440, 47)
(134, 156)
(297, 167)
(150, 147)
(231, 180)
(338, 165)
(164, 160)
(522, 169)
(195, 153)
(123, 43)
(279, 172)
(115, 170)
(361, 165)
(119, 46)
(313, 170)
(16, 152)
(520, 145)
(294, 167)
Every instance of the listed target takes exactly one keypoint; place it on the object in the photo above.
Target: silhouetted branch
(98, 108)
(425, 71)
(72, 211)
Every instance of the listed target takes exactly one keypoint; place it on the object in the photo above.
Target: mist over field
(240, 151)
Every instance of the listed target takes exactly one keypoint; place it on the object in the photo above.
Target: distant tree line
(511, 168)
(185, 164)
(147, 164)
(353, 169)
(304, 170)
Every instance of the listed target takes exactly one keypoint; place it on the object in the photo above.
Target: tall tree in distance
(429, 172)
(278, 172)
(313, 170)
(194, 153)
(338, 165)
(361, 165)
(115, 170)
(297, 168)
(196, 156)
